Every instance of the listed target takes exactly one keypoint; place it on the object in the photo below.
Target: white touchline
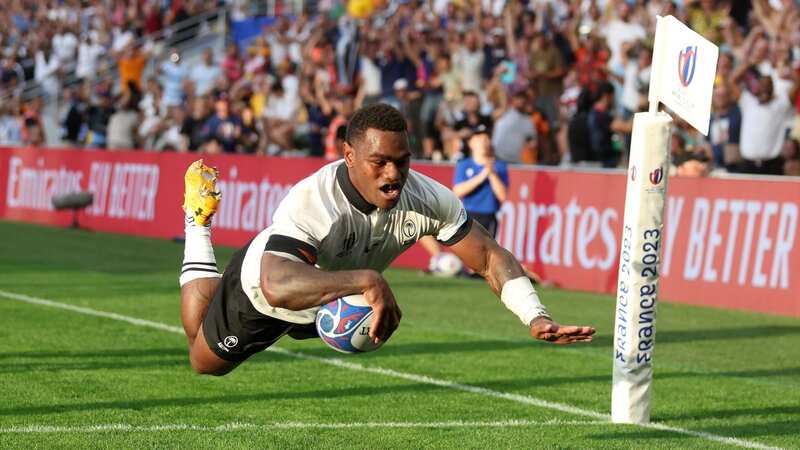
(28, 429)
(525, 399)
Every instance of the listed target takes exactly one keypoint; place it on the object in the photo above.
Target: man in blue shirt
(223, 126)
(481, 181)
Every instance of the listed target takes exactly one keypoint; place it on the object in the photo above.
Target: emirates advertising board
(728, 243)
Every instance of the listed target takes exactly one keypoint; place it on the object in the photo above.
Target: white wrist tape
(520, 297)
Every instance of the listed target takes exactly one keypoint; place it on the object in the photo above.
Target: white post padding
(640, 256)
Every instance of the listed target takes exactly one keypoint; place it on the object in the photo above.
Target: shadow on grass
(738, 412)
(368, 392)
(742, 431)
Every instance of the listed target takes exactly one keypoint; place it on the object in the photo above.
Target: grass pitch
(460, 372)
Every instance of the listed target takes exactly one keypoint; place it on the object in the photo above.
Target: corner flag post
(682, 77)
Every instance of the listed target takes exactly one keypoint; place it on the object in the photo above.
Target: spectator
(193, 125)
(97, 118)
(12, 75)
(602, 125)
(621, 29)
(547, 70)
(725, 128)
(466, 123)
(153, 111)
(765, 114)
(251, 138)
(89, 53)
(123, 123)
(232, 63)
(47, 70)
(174, 73)
(340, 109)
(75, 119)
(280, 114)
(514, 132)
(65, 45)
(369, 75)
(224, 127)
(481, 181)
(172, 139)
(10, 124)
(791, 157)
(205, 74)
(468, 59)
(131, 63)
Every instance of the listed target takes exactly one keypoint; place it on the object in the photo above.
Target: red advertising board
(727, 242)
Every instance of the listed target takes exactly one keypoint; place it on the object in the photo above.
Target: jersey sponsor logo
(687, 61)
(347, 245)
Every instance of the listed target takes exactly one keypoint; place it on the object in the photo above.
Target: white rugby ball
(446, 265)
(344, 325)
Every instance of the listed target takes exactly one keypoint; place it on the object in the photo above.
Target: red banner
(727, 242)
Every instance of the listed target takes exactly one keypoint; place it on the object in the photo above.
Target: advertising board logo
(687, 62)
(656, 176)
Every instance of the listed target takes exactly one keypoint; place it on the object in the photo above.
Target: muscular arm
(481, 253)
(487, 258)
(295, 285)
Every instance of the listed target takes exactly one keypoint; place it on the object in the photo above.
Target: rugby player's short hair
(379, 116)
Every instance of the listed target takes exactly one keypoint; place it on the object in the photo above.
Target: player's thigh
(232, 329)
(196, 295)
(206, 362)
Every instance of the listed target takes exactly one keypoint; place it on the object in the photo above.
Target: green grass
(727, 373)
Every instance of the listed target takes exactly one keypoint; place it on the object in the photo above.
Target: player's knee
(203, 368)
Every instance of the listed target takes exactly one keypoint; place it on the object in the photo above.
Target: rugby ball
(344, 324)
(446, 265)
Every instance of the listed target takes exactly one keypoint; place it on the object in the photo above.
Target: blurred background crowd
(557, 82)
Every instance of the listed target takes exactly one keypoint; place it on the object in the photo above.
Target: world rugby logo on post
(687, 61)
(656, 176)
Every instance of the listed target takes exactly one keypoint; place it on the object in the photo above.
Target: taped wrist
(520, 297)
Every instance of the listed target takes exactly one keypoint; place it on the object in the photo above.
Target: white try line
(42, 429)
(524, 399)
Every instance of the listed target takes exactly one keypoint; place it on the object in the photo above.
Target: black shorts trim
(462, 232)
(488, 221)
(234, 330)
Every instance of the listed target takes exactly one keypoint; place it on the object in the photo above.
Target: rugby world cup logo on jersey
(687, 62)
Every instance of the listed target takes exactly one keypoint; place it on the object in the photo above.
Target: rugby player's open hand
(543, 328)
(387, 314)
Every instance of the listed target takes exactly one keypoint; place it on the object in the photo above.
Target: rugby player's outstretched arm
(481, 253)
(295, 285)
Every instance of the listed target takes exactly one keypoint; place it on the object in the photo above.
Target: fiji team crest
(687, 61)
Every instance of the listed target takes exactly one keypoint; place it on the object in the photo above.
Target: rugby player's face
(378, 164)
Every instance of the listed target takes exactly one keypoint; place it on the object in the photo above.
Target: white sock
(198, 255)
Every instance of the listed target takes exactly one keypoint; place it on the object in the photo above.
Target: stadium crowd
(556, 81)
